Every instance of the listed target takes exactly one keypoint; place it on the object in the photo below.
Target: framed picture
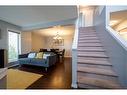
(58, 42)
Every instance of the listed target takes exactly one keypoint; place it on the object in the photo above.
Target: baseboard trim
(3, 72)
(74, 85)
(12, 66)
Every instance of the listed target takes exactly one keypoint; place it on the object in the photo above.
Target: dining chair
(61, 54)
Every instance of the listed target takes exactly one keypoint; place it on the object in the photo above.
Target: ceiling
(26, 16)
(117, 17)
(62, 30)
(87, 7)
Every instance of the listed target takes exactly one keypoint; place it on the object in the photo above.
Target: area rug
(17, 79)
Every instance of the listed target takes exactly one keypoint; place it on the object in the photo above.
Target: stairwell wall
(117, 54)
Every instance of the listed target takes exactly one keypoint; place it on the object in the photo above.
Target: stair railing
(74, 57)
(74, 51)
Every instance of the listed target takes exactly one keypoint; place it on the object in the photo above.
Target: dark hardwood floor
(57, 76)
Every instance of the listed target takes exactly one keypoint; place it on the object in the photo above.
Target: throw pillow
(39, 55)
(45, 56)
(31, 55)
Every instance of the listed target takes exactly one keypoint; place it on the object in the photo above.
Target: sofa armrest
(22, 56)
(51, 60)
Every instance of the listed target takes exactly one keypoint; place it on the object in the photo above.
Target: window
(14, 45)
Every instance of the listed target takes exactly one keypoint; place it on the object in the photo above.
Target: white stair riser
(92, 58)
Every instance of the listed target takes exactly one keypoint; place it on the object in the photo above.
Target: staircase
(94, 69)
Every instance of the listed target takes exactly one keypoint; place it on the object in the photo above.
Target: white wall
(26, 42)
(121, 25)
(37, 42)
(110, 9)
(4, 26)
(31, 42)
(67, 33)
(67, 44)
(4, 34)
(116, 8)
(88, 16)
(117, 54)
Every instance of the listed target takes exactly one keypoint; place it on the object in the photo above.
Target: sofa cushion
(46, 55)
(24, 60)
(31, 55)
(38, 61)
(39, 55)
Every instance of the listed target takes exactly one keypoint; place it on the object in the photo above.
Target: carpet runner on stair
(94, 69)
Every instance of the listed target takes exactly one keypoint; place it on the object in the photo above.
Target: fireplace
(3, 58)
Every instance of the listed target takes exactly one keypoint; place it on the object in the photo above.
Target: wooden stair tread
(97, 71)
(81, 85)
(90, 49)
(89, 41)
(88, 27)
(103, 83)
(88, 35)
(88, 38)
(107, 67)
(93, 58)
(90, 44)
(86, 30)
(92, 54)
(94, 62)
(112, 78)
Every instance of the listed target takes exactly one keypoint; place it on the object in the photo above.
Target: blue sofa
(49, 61)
